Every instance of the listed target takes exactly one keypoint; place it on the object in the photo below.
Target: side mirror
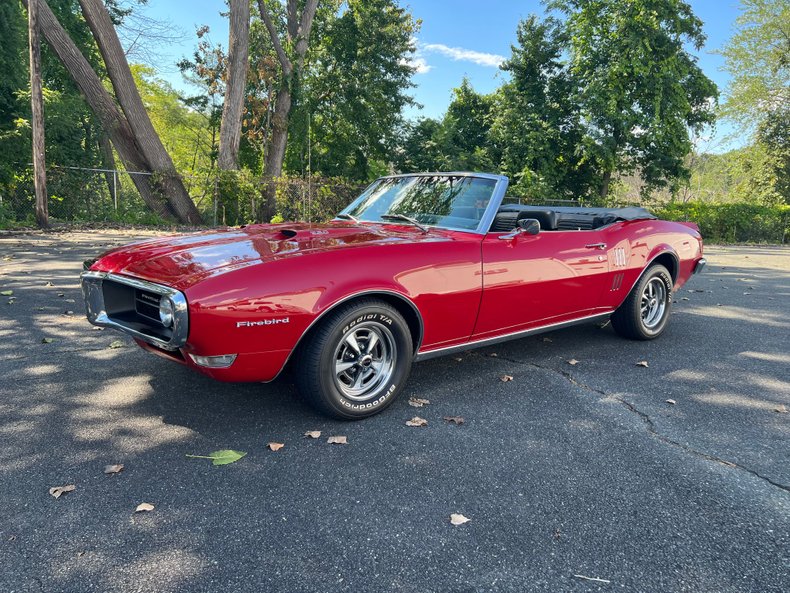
(527, 226)
(531, 226)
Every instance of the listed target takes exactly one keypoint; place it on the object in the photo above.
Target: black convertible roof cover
(629, 213)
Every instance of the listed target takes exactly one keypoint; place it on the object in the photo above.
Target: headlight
(166, 311)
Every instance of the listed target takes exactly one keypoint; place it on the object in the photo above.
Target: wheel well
(670, 262)
(406, 308)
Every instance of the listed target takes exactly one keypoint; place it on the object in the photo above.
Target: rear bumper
(700, 265)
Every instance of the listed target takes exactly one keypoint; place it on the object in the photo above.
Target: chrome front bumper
(96, 309)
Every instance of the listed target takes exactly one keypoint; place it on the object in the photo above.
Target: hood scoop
(288, 233)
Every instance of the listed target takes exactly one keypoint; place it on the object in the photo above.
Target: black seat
(508, 215)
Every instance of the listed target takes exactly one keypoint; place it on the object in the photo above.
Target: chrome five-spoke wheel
(653, 302)
(356, 361)
(645, 312)
(364, 361)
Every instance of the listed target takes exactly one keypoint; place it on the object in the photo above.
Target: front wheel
(356, 362)
(645, 313)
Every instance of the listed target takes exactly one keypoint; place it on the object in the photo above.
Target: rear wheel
(356, 362)
(645, 313)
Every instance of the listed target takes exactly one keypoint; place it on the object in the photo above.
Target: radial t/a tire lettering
(645, 313)
(355, 363)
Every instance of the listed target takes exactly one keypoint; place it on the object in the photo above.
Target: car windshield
(449, 201)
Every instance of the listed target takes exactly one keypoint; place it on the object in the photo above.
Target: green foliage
(223, 457)
(638, 89)
(757, 58)
(732, 223)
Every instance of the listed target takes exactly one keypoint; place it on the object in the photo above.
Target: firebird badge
(263, 322)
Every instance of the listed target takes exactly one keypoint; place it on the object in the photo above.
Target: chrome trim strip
(507, 337)
(97, 315)
(331, 307)
(500, 189)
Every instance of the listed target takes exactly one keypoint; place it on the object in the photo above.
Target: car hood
(181, 261)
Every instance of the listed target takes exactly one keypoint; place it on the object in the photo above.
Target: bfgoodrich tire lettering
(356, 361)
(645, 313)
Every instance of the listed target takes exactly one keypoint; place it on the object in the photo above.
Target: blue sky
(458, 38)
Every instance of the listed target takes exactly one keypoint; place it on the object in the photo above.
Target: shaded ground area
(567, 470)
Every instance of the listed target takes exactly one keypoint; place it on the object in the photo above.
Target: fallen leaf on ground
(781, 409)
(642, 363)
(144, 507)
(221, 457)
(417, 421)
(57, 491)
(573, 362)
(671, 402)
(594, 579)
(547, 340)
(458, 519)
(684, 298)
(458, 359)
(313, 434)
(47, 340)
(68, 312)
(7, 292)
(337, 440)
(116, 344)
(276, 446)
(61, 294)
(454, 419)
(493, 355)
(113, 469)
(418, 402)
(48, 284)
(505, 378)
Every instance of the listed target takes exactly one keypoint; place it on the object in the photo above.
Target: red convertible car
(418, 266)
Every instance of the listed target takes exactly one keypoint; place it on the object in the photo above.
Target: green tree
(465, 131)
(536, 126)
(420, 148)
(639, 90)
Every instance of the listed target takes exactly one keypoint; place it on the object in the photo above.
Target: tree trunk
(232, 110)
(37, 105)
(275, 155)
(147, 139)
(102, 106)
(108, 163)
(607, 178)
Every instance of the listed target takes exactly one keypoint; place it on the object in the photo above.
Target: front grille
(134, 308)
(147, 304)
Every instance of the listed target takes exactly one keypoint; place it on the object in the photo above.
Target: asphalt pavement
(601, 475)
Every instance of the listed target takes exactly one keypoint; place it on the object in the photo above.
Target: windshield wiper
(345, 216)
(405, 218)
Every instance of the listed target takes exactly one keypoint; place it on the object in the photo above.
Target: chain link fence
(224, 198)
(229, 198)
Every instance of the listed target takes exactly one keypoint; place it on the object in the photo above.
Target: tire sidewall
(657, 271)
(391, 320)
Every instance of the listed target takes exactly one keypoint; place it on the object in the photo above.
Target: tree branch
(278, 48)
(303, 34)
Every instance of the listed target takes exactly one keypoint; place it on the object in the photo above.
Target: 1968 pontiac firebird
(418, 266)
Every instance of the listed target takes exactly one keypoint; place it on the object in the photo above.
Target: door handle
(596, 246)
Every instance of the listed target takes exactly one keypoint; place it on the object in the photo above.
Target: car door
(533, 280)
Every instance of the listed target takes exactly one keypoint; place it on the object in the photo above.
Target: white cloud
(464, 55)
(420, 65)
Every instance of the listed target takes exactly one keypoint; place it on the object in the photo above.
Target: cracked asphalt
(567, 471)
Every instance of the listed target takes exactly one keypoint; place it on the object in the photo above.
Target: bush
(732, 223)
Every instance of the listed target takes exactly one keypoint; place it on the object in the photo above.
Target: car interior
(563, 218)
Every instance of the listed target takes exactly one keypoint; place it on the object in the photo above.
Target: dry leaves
(113, 469)
(642, 363)
(144, 507)
(547, 339)
(505, 378)
(454, 419)
(116, 344)
(276, 446)
(47, 340)
(781, 409)
(337, 440)
(493, 355)
(313, 434)
(417, 402)
(671, 402)
(573, 362)
(7, 293)
(57, 491)
(417, 421)
(458, 519)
